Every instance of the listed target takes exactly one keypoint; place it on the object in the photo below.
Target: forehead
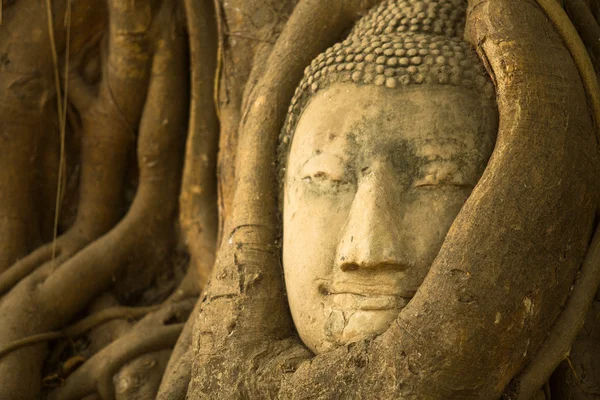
(427, 116)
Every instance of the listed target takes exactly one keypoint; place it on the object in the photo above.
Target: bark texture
(503, 273)
(128, 96)
(135, 191)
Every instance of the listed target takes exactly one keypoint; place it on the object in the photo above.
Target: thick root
(177, 376)
(51, 296)
(139, 379)
(80, 327)
(558, 344)
(198, 198)
(107, 120)
(64, 248)
(18, 208)
(28, 113)
(151, 334)
(178, 372)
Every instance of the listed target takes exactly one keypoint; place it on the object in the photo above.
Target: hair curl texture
(398, 43)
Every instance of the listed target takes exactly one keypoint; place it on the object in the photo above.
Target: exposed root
(52, 295)
(80, 327)
(106, 315)
(31, 340)
(151, 334)
(558, 344)
(96, 375)
(176, 379)
(65, 247)
(572, 40)
(220, 43)
(178, 373)
(27, 114)
(107, 118)
(586, 25)
(139, 379)
(198, 198)
(150, 217)
(18, 210)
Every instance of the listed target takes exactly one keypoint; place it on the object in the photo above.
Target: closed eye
(325, 172)
(443, 183)
(321, 176)
(325, 180)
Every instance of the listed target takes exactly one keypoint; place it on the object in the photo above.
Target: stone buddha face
(374, 179)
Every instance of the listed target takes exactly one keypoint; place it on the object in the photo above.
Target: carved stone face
(375, 177)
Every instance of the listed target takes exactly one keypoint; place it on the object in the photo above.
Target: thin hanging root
(149, 335)
(80, 327)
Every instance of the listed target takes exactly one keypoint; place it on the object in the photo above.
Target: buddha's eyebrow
(445, 148)
(321, 153)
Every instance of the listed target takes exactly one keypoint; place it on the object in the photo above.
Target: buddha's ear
(509, 260)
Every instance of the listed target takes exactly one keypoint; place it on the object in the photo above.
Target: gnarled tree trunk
(138, 145)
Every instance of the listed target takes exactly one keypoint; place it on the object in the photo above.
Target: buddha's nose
(371, 235)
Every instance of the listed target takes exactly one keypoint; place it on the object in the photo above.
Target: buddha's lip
(362, 289)
(352, 301)
(351, 297)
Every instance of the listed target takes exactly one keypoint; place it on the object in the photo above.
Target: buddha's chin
(348, 326)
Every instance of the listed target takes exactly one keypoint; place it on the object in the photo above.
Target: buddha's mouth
(348, 297)
(353, 301)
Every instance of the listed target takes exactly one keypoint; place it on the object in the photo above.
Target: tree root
(81, 327)
(557, 346)
(151, 334)
(572, 40)
(586, 25)
(107, 118)
(27, 114)
(198, 199)
(561, 200)
(140, 378)
(178, 373)
(97, 373)
(177, 376)
(64, 248)
(52, 295)
(18, 209)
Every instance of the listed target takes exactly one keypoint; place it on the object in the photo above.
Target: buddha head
(387, 134)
